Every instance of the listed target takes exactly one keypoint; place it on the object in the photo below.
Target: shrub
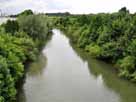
(34, 25)
(127, 66)
(11, 26)
(94, 50)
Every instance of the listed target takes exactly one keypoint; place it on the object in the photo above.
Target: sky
(72, 6)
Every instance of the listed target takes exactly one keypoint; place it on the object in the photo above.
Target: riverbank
(62, 68)
(73, 41)
(105, 38)
(21, 41)
(27, 65)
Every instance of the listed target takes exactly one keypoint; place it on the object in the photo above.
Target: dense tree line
(20, 41)
(58, 14)
(110, 37)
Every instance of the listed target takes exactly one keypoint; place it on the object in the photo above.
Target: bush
(127, 66)
(109, 51)
(7, 85)
(19, 43)
(83, 38)
(34, 25)
(26, 13)
(94, 50)
(11, 26)
(132, 47)
(14, 52)
(106, 36)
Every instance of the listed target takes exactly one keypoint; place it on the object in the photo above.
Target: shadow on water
(35, 69)
(99, 69)
(32, 70)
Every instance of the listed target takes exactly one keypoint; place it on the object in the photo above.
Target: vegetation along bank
(20, 42)
(109, 37)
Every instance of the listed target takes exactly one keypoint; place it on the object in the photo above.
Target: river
(63, 73)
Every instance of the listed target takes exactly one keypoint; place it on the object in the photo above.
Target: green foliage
(11, 26)
(132, 48)
(19, 43)
(36, 26)
(94, 50)
(1, 99)
(110, 52)
(127, 66)
(104, 36)
(127, 63)
(14, 52)
(123, 9)
(83, 41)
(26, 13)
(83, 19)
(7, 85)
(111, 37)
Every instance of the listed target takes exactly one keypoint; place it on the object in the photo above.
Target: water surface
(65, 74)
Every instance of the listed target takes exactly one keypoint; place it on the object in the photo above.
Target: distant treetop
(124, 9)
(26, 12)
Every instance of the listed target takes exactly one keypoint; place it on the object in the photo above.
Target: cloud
(73, 6)
(96, 6)
(16, 6)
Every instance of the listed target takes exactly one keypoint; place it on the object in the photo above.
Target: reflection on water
(125, 89)
(69, 75)
(37, 67)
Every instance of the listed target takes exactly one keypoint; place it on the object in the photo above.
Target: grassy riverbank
(109, 37)
(20, 43)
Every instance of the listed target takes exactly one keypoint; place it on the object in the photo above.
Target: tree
(35, 26)
(123, 9)
(11, 26)
(26, 13)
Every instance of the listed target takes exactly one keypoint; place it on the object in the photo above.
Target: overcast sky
(72, 6)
